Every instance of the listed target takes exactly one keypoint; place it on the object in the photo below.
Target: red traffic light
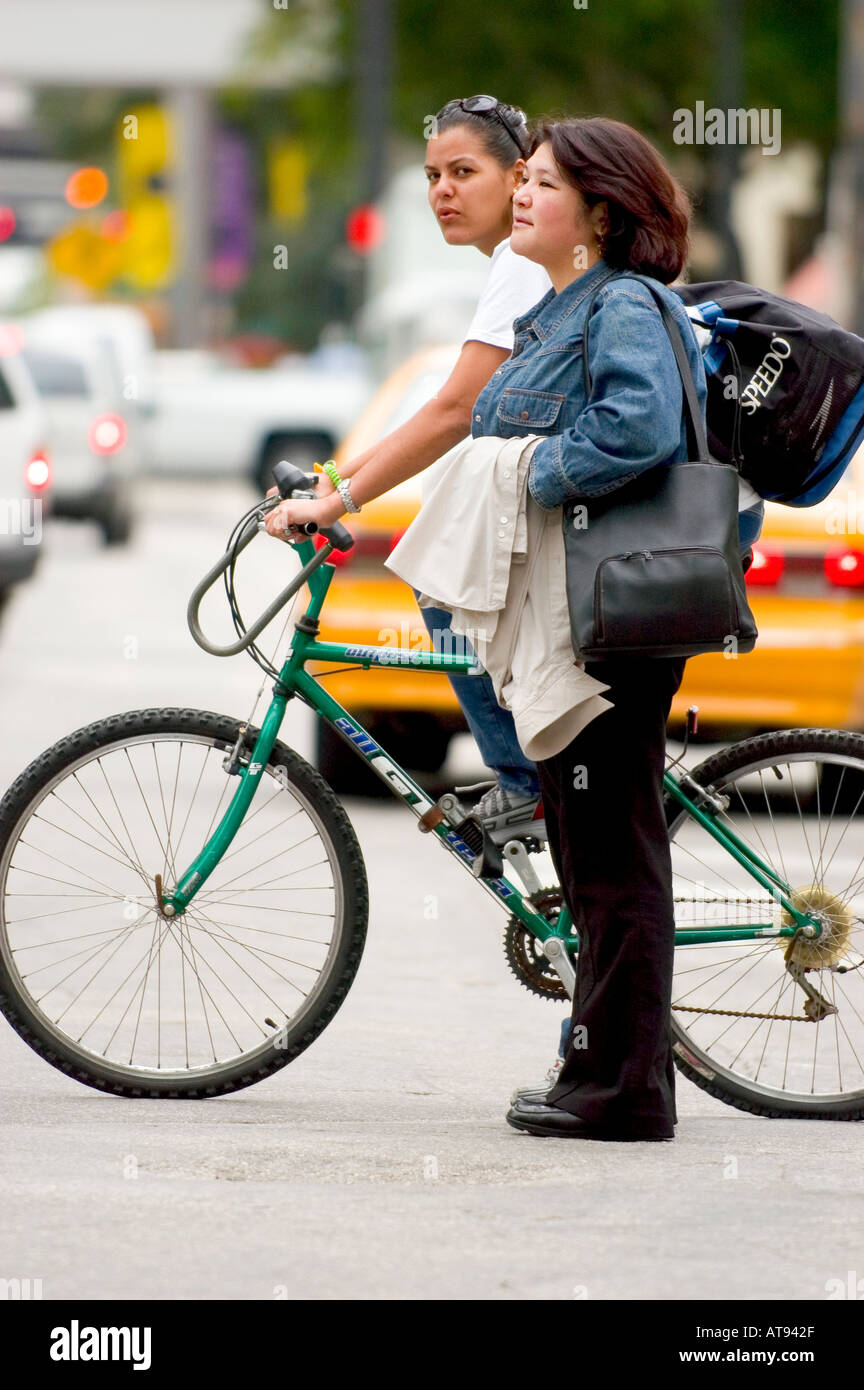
(364, 229)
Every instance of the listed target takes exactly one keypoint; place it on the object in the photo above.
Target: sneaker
(539, 1093)
(504, 814)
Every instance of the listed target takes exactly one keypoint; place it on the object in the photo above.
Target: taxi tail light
(368, 545)
(38, 471)
(844, 567)
(768, 565)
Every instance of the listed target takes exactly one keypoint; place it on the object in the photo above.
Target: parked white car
(25, 469)
(87, 428)
(124, 335)
(210, 419)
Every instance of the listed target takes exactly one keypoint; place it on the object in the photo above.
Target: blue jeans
(750, 526)
(492, 726)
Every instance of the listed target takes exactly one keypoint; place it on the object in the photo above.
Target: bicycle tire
(309, 797)
(728, 771)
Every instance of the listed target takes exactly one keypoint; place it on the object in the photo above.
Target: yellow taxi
(806, 589)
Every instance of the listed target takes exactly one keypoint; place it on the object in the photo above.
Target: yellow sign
(80, 252)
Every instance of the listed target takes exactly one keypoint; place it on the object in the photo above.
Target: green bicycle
(183, 899)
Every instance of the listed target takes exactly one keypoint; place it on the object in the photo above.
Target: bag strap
(697, 440)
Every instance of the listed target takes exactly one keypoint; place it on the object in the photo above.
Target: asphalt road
(378, 1165)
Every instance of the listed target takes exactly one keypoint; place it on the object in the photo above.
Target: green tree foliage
(635, 60)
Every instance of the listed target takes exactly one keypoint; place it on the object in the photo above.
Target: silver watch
(345, 494)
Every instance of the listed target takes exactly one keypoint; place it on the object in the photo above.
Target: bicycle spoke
(750, 1022)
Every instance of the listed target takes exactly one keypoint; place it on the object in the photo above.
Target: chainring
(524, 957)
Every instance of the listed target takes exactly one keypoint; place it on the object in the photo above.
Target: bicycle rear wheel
(109, 991)
(776, 1036)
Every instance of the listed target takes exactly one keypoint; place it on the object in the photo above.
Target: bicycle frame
(294, 680)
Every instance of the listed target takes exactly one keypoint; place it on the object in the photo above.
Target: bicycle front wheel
(105, 988)
(769, 1027)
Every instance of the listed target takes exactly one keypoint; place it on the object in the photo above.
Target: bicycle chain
(710, 902)
(741, 1013)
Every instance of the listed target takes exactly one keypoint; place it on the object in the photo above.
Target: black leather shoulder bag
(654, 568)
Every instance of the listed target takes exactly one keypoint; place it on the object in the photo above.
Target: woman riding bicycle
(474, 161)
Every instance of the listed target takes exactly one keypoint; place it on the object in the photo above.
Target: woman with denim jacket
(598, 206)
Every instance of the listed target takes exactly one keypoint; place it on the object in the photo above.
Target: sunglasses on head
(485, 105)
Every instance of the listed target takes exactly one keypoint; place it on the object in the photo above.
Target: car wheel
(303, 450)
(116, 525)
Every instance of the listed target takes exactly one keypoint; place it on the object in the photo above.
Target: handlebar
(291, 482)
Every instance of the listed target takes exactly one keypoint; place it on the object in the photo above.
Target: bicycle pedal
(488, 861)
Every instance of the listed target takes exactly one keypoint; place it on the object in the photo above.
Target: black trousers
(607, 835)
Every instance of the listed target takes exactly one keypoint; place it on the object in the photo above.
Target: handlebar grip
(338, 535)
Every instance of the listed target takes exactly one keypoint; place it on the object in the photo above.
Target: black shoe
(536, 1117)
(538, 1095)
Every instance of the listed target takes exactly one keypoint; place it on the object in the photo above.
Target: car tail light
(37, 474)
(768, 564)
(845, 567)
(107, 434)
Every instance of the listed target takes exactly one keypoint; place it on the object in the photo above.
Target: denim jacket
(634, 419)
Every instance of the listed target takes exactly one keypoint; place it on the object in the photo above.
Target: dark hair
(493, 134)
(649, 211)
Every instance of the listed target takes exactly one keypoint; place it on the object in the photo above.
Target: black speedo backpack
(785, 389)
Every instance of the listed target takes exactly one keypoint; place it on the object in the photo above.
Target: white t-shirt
(513, 286)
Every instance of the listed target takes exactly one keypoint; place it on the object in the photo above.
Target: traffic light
(364, 229)
(145, 159)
